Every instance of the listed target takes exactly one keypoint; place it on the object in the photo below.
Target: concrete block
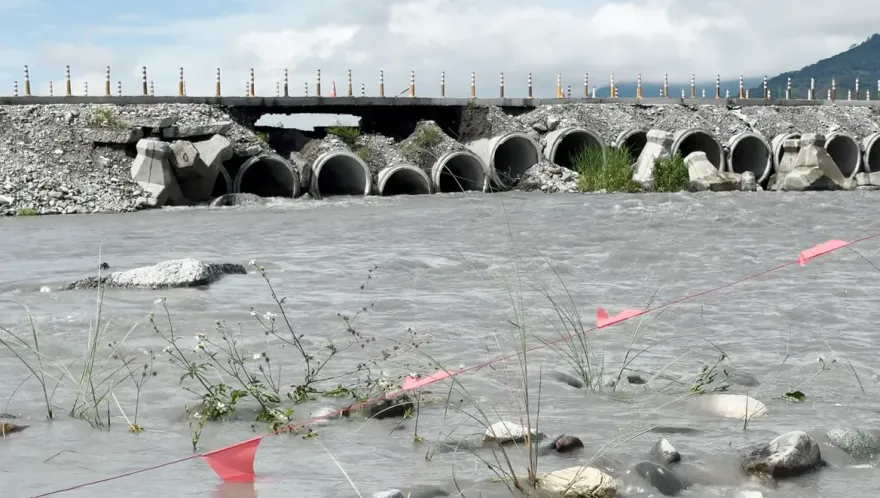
(184, 158)
(210, 155)
(658, 147)
(197, 131)
(704, 176)
(156, 123)
(814, 169)
(113, 136)
(152, 171)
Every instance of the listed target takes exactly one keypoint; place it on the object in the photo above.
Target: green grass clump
(105, 118)
(263, 137)
(671, 175)
(26, 212)
(610, 171)
(420, 146)
(348, 134)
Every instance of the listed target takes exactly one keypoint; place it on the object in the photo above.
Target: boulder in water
(237, 200)
(508, 432)
(661, 477)
(6, 428)
(664, 452)
(390, 493)
(855, 442)
(579, 482)
(738, 406)
(167, 274)
(789, 455)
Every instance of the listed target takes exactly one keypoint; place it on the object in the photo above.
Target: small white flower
(197, 415)
(258, 356)
(220, 405)
(167, 349)
(200, 336)
(158, 302)
(253, 313)
(269, 317)
(253, 262)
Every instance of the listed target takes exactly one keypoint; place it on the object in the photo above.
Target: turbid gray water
(453, 267)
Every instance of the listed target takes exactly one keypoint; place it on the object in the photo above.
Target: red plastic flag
(820, 249)
(410, 383)
(235, 463)
(603, 320)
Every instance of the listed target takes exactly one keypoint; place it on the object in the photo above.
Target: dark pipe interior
(750, 154)
(845, 153)
(342, 175)
(873, 157)
(462, 173)
(267, 178)
(701, 142)
(635, 143)
(513, 158)
(221, 186)
(406, 182)
(571, 145)
(795, 136)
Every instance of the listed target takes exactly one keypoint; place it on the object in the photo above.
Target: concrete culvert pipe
(699, 140)
(340, 172)
(224, 184)
(460, 171)
(846, 153)
(507, 156)
(267, 175)
(633, 140)
(750, 151)
(564, 145)
(872, 153)
(403, 179)
(776, 146)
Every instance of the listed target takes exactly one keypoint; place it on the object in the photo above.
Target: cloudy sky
(651, 37)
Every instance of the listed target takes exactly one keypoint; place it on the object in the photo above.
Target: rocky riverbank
(65, 159)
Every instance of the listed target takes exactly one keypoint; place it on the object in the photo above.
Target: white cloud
(651, 37)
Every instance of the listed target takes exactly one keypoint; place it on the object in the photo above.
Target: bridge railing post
(318, 84)
(350, 85)
(144, 81)
(15, 88)
(381, 83)
(252, 87)
(119, 88)
(27, 82)
(473, 85)
(51, 89)
(217, 84)
(530, 94)
(107, 82)
(443, 84)
(501, 85)
(180, 92)
(67, 83)
(286, 88)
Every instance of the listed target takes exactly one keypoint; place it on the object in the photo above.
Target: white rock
(579, 482)
(731, 405)
(507, 432)
(175, 273)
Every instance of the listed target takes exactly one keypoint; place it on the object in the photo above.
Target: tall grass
(608, 170)
(671, 175)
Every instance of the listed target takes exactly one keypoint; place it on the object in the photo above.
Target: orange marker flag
(824, 248)
(235, 463)
(603, 320)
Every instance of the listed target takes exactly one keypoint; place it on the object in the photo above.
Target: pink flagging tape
(818, 250)
(410, 383)
(603, 320)
(236, 461)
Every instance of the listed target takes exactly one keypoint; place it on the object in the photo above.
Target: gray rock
(183, 157)
(565, 378)
(657, 148)
(238, 200)
(664, 452)
(855, 442)
(550, 178)
(705, 177)
(168, 274)
(155, 123)
(152, 171)
(391, 493)
(6, 200)
(789, 455)
(661, 477)
(197, 130)
(813, 168)
(748, 183)
(112, 135)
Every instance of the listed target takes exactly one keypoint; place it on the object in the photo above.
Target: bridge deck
(334, 104)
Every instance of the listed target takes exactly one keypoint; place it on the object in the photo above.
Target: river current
(459, 269)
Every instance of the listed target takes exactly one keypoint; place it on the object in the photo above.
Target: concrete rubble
(167, 274)
(64, 159)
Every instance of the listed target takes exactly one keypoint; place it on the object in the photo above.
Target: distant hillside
(860, 61)
(627, 89)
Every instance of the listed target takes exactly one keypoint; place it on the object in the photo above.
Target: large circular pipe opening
(403, 179)
(223, 185)
(750, 152)
(459, 171)
(872, 153)
(845, 152)
(564, 146)
(698, 140)
(513, 156)
(338, 173)
(778, 149)
(633, 140)
(267, 176)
